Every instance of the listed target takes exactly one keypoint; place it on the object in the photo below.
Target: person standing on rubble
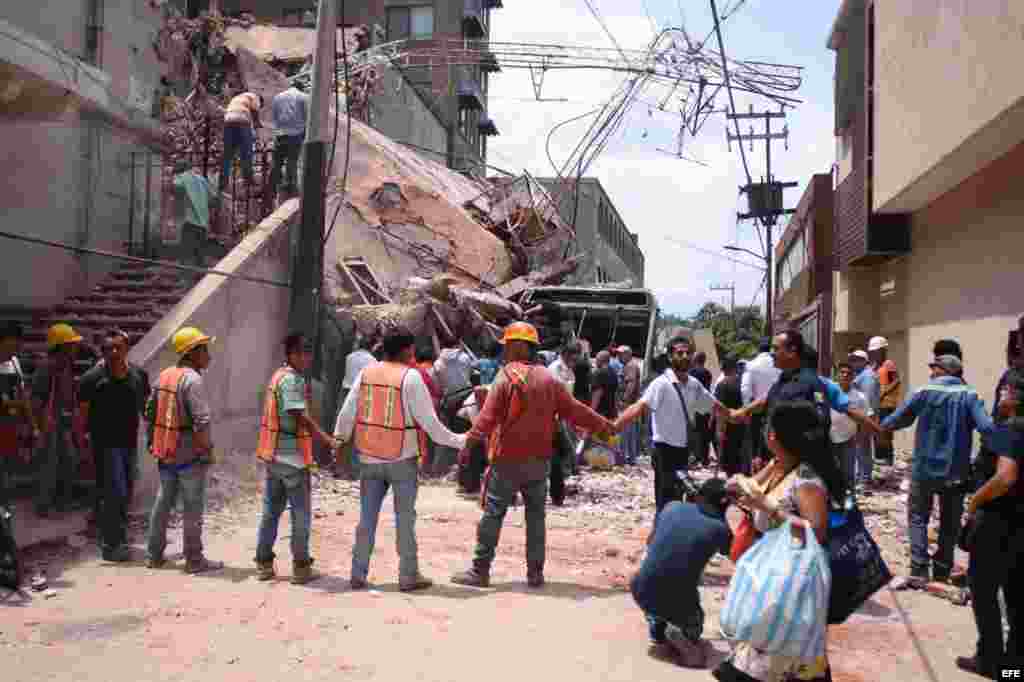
(179, 419)
(285, 446)
(629, 393)
(672, 399)
(112, 397)
(289, 112)
(55, 405)
(193, 202)
(518, 423)
(388, 416)
(241, 120)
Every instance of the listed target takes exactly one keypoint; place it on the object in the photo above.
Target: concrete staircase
(132, 298)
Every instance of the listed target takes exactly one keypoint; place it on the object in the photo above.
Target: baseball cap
(949, 363)
(624, 349)
(878, 343)
(859, 354)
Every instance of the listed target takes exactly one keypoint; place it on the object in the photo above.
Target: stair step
(81, 309)
(143, 286)
(126, 299)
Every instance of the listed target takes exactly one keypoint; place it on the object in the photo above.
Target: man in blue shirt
(947, 411)
(685, 537)
(865, 381)
(289, 113)
(193, 198)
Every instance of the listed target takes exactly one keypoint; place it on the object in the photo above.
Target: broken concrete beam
(551, 274)
(491, 306)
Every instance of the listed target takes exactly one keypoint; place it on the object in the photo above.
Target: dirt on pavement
(109, 622)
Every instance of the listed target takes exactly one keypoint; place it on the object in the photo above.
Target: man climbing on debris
(193, 202)
(518, 423)
(285, 445)
(112, 398)
(685, 538)
(178, 413)
(388, 416)
(241, 120)
(289, 111)
(55, 405)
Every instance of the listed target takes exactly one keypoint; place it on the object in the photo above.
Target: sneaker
(302, 572)
(535, 579)
(358, 583)
(420, 582)
(472, 578)
(117, 555)
(690, 654)
(265, 570)
(202, 565)
(973, 664)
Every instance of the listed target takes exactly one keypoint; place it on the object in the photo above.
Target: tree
(735, 334)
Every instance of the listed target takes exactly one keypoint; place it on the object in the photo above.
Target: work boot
(420, 582)
(202, 565)
(535, 575)
(117, 555)
(302, 572)
(474, 577)
(265, 570)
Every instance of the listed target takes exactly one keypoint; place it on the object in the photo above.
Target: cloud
(664, 199)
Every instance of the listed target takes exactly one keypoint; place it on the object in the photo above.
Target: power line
(136, 259)
(728, 87)
(709, 252)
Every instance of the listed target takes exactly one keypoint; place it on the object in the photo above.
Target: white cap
(877, 343)
(859, 354)
(624, 349)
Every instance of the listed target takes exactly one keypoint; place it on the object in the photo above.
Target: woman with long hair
(799, 484)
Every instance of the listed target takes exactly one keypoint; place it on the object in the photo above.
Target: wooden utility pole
(307, 277)
(764, 198)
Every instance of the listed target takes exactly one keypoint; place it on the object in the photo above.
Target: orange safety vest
(167, 422)
(518, 376)
(270, 424)
(380, 413)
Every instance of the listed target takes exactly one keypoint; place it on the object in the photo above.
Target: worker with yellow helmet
(518, 423)
(55, 405)
(178, 413)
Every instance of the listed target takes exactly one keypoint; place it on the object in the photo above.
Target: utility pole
(307, 277)
(765, 199)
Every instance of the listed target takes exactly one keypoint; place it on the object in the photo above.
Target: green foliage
(737, 336)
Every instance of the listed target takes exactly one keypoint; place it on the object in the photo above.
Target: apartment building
(78, 84)
(457, 93)
(612, 252)
(803, 269)
(929, 154)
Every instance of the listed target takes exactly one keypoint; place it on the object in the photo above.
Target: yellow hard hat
(187, 338)
(61, 333)
(521, 331)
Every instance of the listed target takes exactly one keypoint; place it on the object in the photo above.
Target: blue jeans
(865, 459)
(117, 474)
(500, 494)
(190, 483)
(631, 442)
(919, 512)
(374, 481)
(56, 471)
(238, 140)
(285, 484)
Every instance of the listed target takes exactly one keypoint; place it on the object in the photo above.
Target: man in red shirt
(519, 419)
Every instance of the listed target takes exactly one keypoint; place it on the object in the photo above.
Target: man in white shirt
(673, 398)
(563, 369)
(388, 443)
(354, 364)
(844, 430)
(758, 378)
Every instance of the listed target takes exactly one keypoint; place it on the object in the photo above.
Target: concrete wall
(249, 320)
(398, 111)
(921, 123)
(73, 177)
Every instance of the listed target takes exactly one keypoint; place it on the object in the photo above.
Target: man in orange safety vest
(179, 439)
(286, 446)
(389, 413)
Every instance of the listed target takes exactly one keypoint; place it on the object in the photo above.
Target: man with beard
(672, 399)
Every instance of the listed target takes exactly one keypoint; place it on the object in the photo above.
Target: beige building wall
(948, 94)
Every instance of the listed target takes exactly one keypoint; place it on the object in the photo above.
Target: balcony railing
(470, 94)
(473, 23)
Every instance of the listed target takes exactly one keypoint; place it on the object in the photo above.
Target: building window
(792, 263)
(416, 23)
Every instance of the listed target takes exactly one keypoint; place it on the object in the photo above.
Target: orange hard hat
(521, 331)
